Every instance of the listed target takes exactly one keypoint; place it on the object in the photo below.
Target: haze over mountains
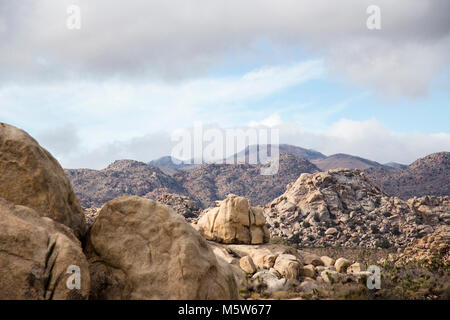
(209, 182)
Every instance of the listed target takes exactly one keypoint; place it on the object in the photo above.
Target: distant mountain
(211, 182)
(253, 150)
(341, 160)
(96, 187)
(170, 165)
(426, 176)
(396, 165)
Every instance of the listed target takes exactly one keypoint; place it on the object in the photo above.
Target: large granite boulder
(39, 258)
(32, 177)
(140, 249)
(234, 221)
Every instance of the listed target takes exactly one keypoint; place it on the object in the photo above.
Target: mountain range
(208, 182)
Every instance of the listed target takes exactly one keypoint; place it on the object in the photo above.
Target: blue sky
(131, 76)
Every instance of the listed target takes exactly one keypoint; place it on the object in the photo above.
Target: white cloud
(271, 121)
(185, 38)
(108, 111)
(369, 139)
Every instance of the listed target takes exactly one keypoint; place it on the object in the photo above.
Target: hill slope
(426, 176)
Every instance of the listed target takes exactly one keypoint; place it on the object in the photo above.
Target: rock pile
(431, 249)
(343, 207)
(234, 221)
(182, 205)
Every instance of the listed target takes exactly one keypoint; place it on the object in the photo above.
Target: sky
(135, 72)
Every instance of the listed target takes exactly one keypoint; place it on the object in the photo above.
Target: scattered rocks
(234, 221)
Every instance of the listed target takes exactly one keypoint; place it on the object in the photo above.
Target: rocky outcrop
(140, 249)
(343, 207)
(39, 258)
(31, 176)
(182, 205)
(234, 221)
(433, 210)
(431, 250)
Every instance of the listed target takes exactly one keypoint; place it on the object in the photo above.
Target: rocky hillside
(343, 207)
(96, 187)
(426, 176)
(211, 182)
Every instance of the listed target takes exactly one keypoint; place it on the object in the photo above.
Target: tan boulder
(39, 258)
(32, 177)
(342, 264)
(140, 249)
(355, 268)
(327, 261)
(310, 258)
(247, 265)
(234, 221)
(288, 266)
(330, 276)
(308, 271)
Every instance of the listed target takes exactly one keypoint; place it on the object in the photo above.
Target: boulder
(342, 264)
(269, 282)
(331, 232)
(247, 265)
(32, 177)
(288, 266)
(39, 258)
(308, 271)
(330, 276)
(140, 249)
(355, 268)
(327, 261)
(234, 221)
(310, 258)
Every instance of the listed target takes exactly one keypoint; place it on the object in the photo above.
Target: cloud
(271, 121)
(62, 140)
(185, 39)
(368, 139)
(115, 110)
